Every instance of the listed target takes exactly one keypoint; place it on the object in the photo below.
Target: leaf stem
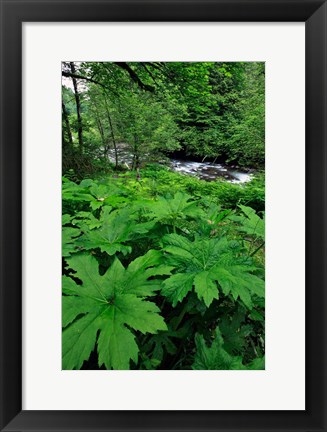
(257, 249)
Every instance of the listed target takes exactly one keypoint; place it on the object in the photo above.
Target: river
(207, 171)
(210, 171)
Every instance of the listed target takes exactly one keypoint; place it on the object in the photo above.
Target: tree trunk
(205, 157)
(136, 155)
(66, 119)
(100, 126)
(78, 109)
(111, 131)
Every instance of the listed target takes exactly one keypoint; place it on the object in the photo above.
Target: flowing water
(207, 171)
(210, 171)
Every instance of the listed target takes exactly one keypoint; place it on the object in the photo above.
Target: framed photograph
(163, 215)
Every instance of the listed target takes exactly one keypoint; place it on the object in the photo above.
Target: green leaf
(214, 357)
(88, 191)
(66, 219)
(234, 332)
(86, 218)
(69, 236)
(68, 285)
(205, 262)
(257, 364)
(86, 183)
(250, 223)
(178, 286)
(170, 209)
(161, 343)
(205, 287)
(117, 346)
(104, 310)
(72, 192)
(256, 316)
(117, 228)
(143, 268)
(237, 281)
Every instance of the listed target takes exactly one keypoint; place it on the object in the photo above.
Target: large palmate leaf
(250, 222)
(117, 228)
(73, 192)
(88, 191)
(161, 343)
(216, 357)
(66, 219)
(86, 218)
(170, 209)
(234, 331)
(105, 194)
(106, 309)
(212, 223)
(68, 239)
(205, 263)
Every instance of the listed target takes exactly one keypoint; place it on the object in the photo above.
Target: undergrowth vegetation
(162, 272)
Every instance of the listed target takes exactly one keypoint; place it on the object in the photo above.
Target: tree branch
(133, 75)
(76, 76)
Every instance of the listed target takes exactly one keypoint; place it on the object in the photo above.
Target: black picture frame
(13, 14)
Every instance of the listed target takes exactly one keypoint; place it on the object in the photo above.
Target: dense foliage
(162, 270)
(158, 280)
(205, 110)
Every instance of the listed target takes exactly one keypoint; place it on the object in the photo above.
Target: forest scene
(163, 215)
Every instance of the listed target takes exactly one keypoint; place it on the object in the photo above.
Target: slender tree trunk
(66, 119)
(111, 131)
(136, 155)
(100, 126)
(103, 139)
(78, 109)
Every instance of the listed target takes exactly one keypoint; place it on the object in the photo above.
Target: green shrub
(165, 272)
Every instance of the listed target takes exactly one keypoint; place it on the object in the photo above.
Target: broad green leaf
(88, 192)
(68, 239)
(216, 357)
(68, 285)
(117, 228)
(170, 209)
(66, 219)
(140, 271)
(257, 364)
(207, 264)
(104, 310)
(78, 340)
(205, 287)
(161, 343)
(234, 331)
(72, 307)
(73, 192)
(86, 218)
(86, 183)
(212, 219)
(117, 346)
(256, 316)
(178, 286)
(250, 222)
